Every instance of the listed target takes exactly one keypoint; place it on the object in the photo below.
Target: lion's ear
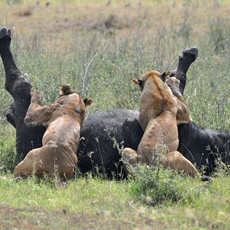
(138, 82)
(135, 81)
(165, 75)
(65, 90)
(88, 101)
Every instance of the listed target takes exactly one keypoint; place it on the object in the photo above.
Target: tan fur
(183, 114)
(63, 119)
(158, 117)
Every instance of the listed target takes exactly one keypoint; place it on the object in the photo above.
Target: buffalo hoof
(205, 178)
(185, 60)
(4, 32)
(191, 54)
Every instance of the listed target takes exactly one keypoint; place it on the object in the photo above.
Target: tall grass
(155, 186)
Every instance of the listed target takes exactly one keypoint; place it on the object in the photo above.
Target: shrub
(219, 33)
(8, 155)
(157, 186)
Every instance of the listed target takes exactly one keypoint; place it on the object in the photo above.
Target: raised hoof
(205, 178)
(173, 73)
(185, 60)
(4, 32)
(26, 76)
(191, 53)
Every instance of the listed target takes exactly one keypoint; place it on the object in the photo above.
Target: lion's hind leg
(175, 160)
(31, 165)
(130, 159)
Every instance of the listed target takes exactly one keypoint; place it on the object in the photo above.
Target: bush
(219, 33)
(156, 186)
(8, 155)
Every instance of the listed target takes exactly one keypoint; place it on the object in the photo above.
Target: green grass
(45, 204)
(157, 187)
(68, 42)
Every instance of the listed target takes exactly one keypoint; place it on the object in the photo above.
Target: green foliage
(7, 147)
(219, 33)
(222, 170)
(95, 203)
(8, 154)
(156, 186)
(74, 195)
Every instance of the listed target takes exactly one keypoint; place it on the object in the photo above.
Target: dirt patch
(60, 25)
(101, 23)
(110, 22)
(24, 11)
(35, 218)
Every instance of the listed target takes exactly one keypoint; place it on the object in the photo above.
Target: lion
(63, 119)
(162, 108)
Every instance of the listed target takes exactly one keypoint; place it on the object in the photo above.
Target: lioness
(63, 119)
(162, 108)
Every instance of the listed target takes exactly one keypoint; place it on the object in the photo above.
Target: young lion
(63, 119)
(162, 108)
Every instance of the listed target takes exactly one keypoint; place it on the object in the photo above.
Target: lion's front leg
(185, 60)
(130, 159)
(38, 114)
(183, 113)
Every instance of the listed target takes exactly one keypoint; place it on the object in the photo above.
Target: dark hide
(19, 87)
(200, 146)
(203, 146)
(105, 133)
(185, 60)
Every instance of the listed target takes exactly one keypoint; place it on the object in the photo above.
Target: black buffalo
(105, 133)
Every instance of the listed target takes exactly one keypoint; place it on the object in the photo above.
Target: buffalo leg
(19, 87)
(185, 60)
(11, 70)
(10, 115)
